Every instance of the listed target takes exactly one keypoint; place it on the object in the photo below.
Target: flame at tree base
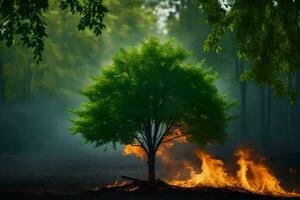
(251, 176)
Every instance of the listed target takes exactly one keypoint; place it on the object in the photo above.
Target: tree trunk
(27, 79)
(293, 120)
(297, 117)
(290, 117)
(263, 119)
(239, 69)
(63, 35)
(243, 93)
(289, 125)
(2, 81)
(151, 168)
(268, 118)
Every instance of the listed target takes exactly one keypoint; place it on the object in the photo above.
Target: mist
(35, 142)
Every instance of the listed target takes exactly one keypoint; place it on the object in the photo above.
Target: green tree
(267, 33)
(23, 21)
(72, 56)
(187, 23)
(150, 96)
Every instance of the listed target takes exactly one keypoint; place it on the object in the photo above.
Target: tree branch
(156, 128)
(147, 134)
(178, 136)
(159, 131)
(135, 145)
(170, 126)
(143, 136)
(142, 145)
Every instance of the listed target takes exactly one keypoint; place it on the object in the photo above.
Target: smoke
(40, 126)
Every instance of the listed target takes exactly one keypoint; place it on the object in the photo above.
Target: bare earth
(63, 178)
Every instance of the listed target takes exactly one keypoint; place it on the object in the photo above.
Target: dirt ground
(203, 194)
(63, 178)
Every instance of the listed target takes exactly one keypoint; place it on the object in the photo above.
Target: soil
(64, 178)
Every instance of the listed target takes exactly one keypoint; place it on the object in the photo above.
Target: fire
(162, 152)
(262, 180)
(213, 173)
(134, 150)
(117, 184)
(251, 176)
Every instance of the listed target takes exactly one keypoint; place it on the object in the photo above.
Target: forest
(49, 57)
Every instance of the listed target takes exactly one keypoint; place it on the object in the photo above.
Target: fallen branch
(133, 179)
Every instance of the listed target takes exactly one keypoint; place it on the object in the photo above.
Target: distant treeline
(71, 58)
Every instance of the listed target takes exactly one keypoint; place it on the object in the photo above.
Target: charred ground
(76, 178)
(162, 192)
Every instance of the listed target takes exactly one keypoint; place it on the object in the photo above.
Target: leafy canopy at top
(267, 33)
(24, 21)
(147, 95)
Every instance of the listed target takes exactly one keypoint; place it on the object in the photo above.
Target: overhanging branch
(169, 140)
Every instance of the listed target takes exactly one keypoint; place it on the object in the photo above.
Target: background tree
(267, 33)
(188, 24)
(266, 40)
(72, 56)
(24, 21)
(150, 96)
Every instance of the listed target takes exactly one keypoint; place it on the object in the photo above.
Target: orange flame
(251, 176)
(134, 150)
(163, 150)
(138, 151)
(213, 173)
(262, 180)
(164, 153)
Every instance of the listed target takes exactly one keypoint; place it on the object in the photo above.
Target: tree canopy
(71, 56)
(23, 21)
(267, 34)
(149, 96)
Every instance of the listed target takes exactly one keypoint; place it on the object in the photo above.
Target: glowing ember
(292, 171)
(117, 184)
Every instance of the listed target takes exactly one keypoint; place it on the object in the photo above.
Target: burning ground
(251, 174)
(189, 172)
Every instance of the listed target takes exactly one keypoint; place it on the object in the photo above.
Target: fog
(36, 145)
